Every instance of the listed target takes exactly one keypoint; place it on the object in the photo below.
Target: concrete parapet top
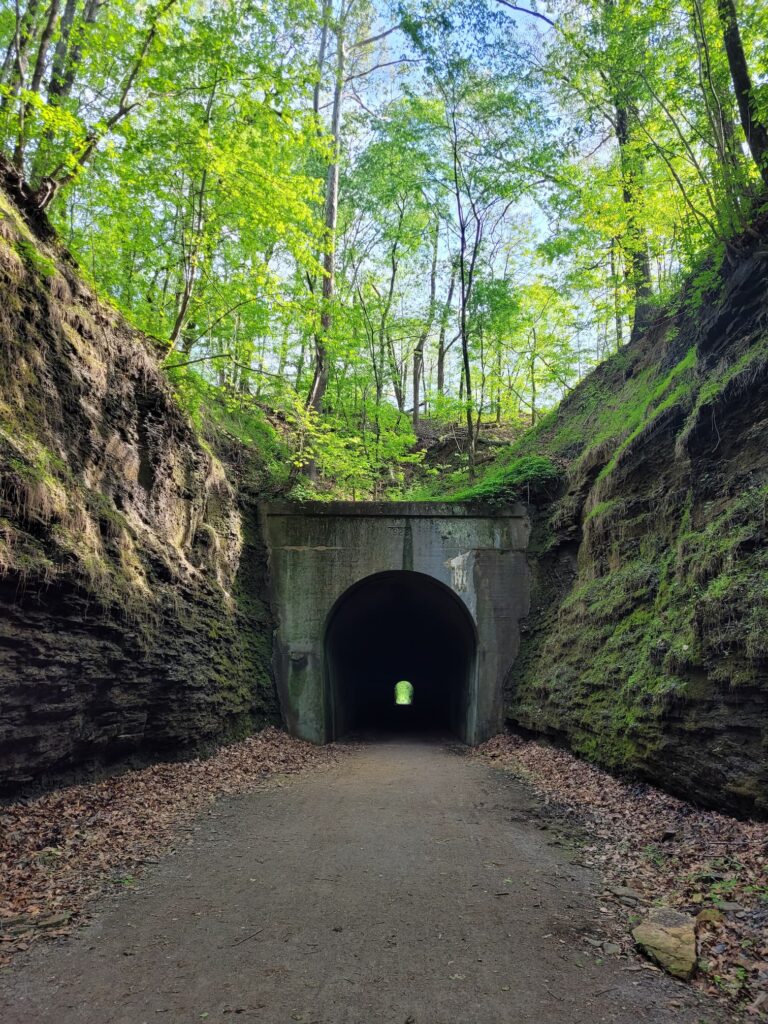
(394, 509)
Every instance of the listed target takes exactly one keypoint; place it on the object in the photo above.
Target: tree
(754, 126)
(483, 120)
(418, 352)
(349, 25)
(64, 143)
(353, 223)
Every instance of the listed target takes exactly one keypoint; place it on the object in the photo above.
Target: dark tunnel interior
(393, 626)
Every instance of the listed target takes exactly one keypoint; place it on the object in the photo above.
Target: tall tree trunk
(616, 297)
(398, 384)
(465, 275)
(321, 53)
(730, 159)
(24, 33)
(37, 78)
(532, 372)
(442, 350)
(188, 338)
(61, 50)
(45, 42)
(498, 384)
(320, 372)
(418, 352)
(15, 60)
(639, 264)
(282, 356)
(386, 345)
(66, 59)
(322, 368)
(196, 244)
(63, 72)
(754, 129)
(300, 361)
(378, 375)
(467, 264)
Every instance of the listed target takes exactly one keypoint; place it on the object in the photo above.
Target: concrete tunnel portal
(367, 594)
(392, 626)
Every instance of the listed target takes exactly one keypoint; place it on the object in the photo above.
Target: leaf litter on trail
(662, 850)
(60, 850)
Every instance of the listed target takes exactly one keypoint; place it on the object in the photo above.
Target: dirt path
(408, 885)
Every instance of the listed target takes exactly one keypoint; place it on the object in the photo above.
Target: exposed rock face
(647, 647)
(131, 582)
(669, 938)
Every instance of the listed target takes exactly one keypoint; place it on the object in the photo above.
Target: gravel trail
(405, 885)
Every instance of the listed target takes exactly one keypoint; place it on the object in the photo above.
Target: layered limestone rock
(647, 647)
(132, 579)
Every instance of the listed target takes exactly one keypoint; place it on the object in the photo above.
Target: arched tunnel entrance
(396, 626)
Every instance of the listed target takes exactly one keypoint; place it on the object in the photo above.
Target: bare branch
(377, 67)
(526, 10)
(375, 39)
(356, 98)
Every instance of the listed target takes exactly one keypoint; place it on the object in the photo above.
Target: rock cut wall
(647, 647)
(132, 578)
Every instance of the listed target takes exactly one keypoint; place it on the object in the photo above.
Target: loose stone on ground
(669, 938)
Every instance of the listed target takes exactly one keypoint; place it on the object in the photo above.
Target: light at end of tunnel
(403, 692)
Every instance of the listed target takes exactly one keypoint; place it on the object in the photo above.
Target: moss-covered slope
(132, 577)
(647, 646)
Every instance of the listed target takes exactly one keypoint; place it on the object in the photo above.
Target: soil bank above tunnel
(476, 584)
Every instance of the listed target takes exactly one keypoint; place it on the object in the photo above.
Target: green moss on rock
(133, 587)
(646, 647)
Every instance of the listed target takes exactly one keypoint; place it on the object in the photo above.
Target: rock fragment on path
(669, 938)
(729, 906)
(626, 894)
(710, 915)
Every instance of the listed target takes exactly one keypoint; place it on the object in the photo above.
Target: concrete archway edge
(318, 550)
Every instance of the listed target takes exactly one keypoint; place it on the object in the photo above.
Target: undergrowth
(528, 477)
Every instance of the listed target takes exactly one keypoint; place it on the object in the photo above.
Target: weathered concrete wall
(318, 550)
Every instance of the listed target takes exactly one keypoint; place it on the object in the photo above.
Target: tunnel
(392, 627)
